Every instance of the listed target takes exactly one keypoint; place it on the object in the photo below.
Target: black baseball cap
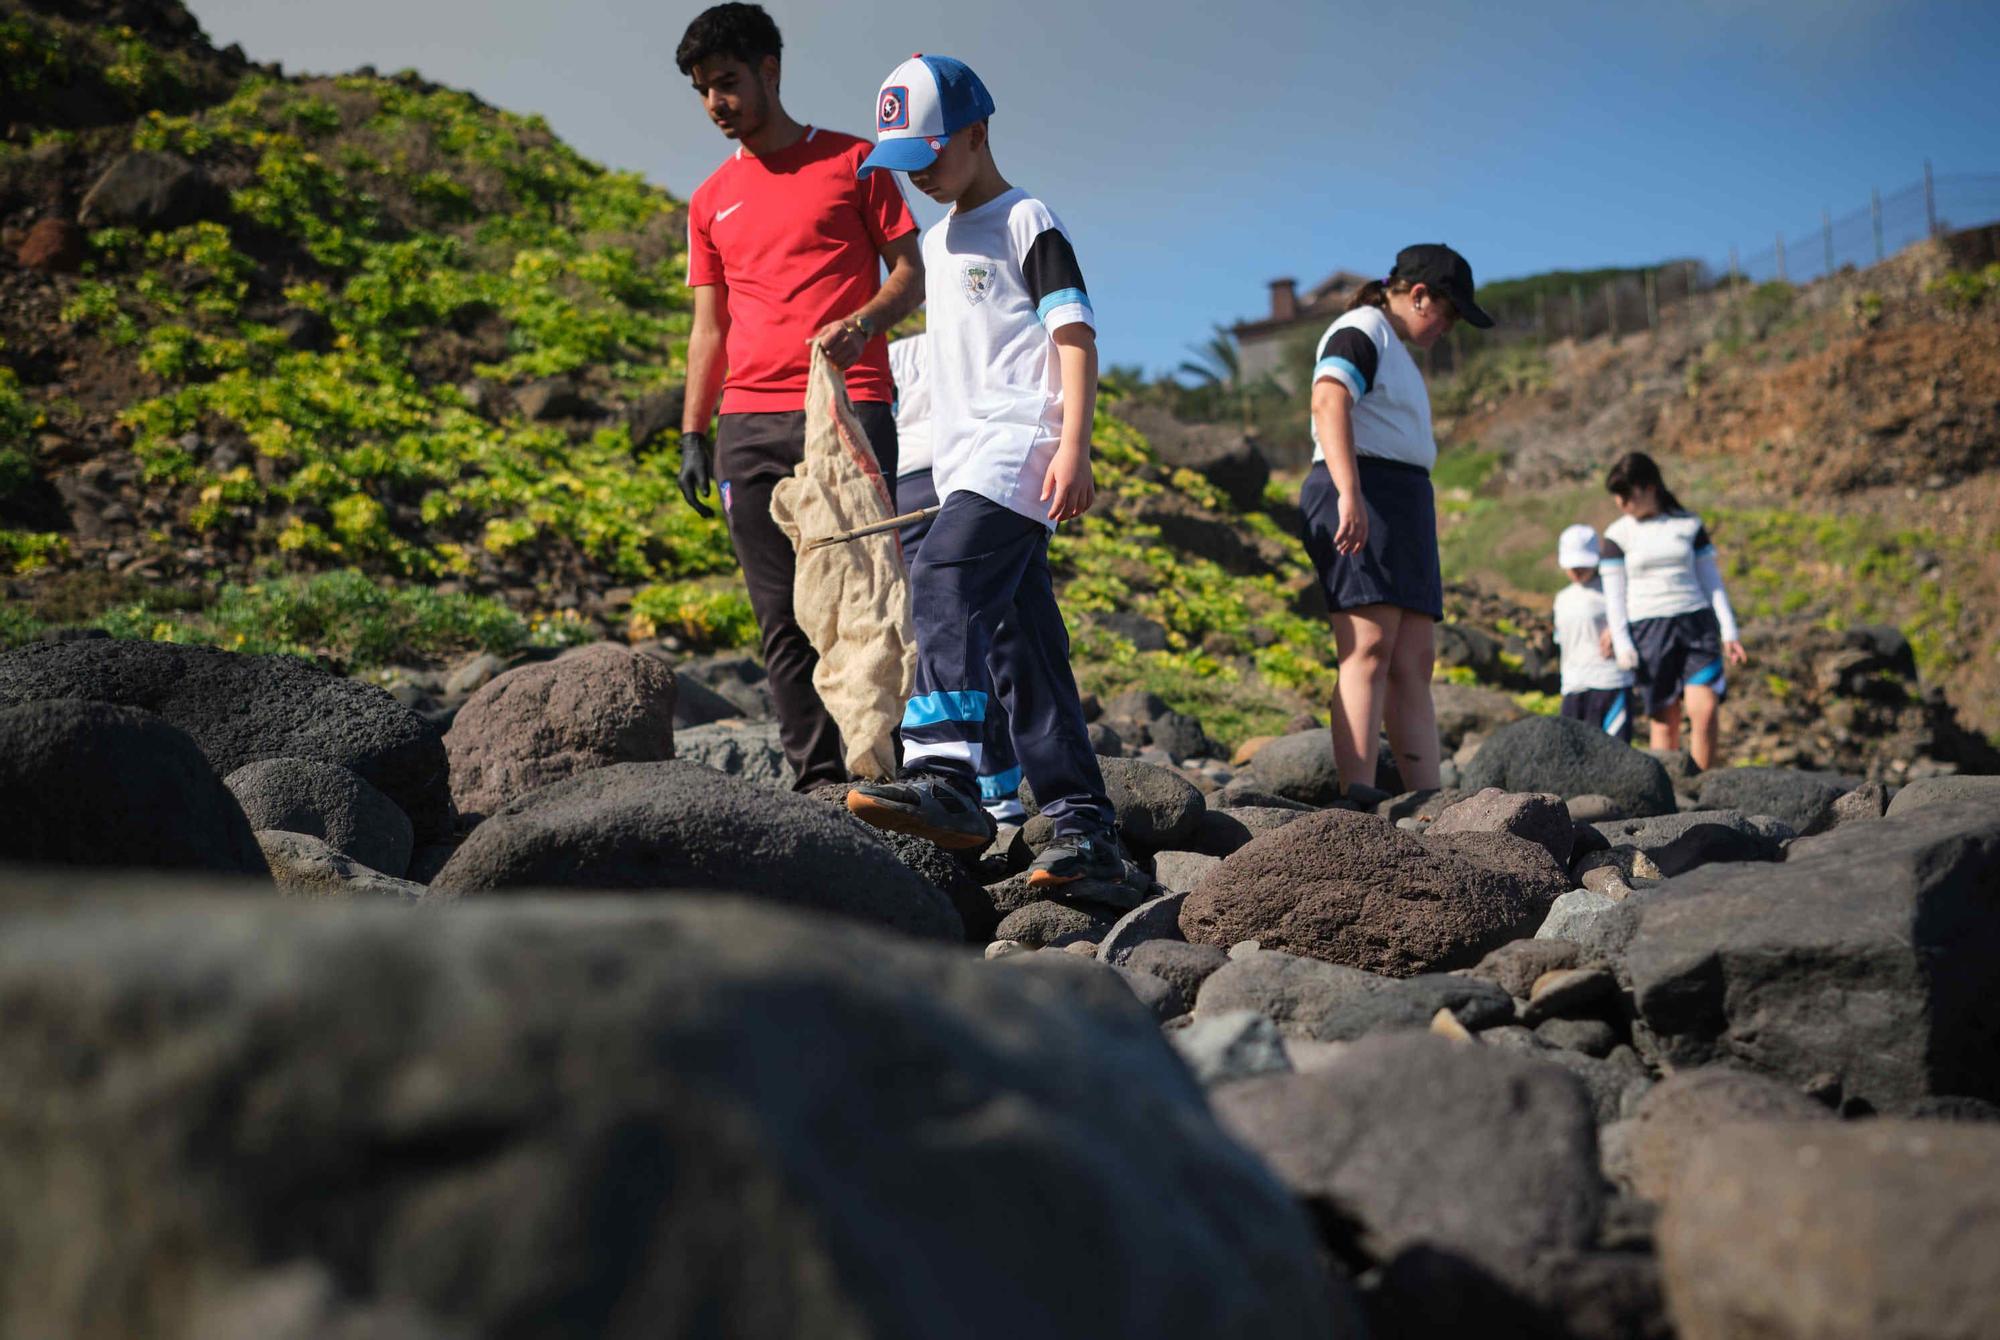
(1437, 266)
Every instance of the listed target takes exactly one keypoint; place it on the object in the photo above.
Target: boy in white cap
(1594, 688)
(1012, 366)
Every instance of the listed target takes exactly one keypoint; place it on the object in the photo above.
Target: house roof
(1317, 304)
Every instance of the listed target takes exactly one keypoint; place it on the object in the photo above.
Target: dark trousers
(1606, 709)
(753, 452)
(984, 602)
(1000, 767)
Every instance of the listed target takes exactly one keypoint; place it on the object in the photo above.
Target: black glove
(697, 474)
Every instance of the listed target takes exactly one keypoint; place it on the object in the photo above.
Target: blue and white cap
(923, 103)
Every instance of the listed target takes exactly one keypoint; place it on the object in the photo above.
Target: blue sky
(1197, 150)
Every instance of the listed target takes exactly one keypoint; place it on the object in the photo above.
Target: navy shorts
(1677, 651)
(1399, 564)
(1607, 709)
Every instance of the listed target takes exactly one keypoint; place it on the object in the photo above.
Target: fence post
(1541, 318)
(1875, 217)
(1781, 259)
(1576, 312)
(1611, 307)
(1653, 301)
(1826, 236)
(1930, 202)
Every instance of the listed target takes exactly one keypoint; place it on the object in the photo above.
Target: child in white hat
(1594, 688)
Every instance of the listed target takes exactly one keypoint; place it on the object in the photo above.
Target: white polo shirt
(1580, 619)
(1392, 406)
(913, 403)
(999, 280)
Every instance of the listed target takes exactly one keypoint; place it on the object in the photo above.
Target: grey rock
(1423, 806)
(1326, 1002)
(473, 674)
(1594, 809)
(1350, 888)
(737, 678)
(1186, 966)
(1677, 843)
(1154, 919)
(1566, 993)
(679, 827)
(1592, 1037)
(1300, 767)
(1180, 871)
(620, 1118)
(307, 865)
(89, 783)
(1157, 808)
(326, 801)
(1931, 791)
(1467, 709)
(1607, 1079)
(1104, 741)
(1870, 800)
(1179, 734)
(153, 192)
(1541, 819)
(1516, 965)
(1900, 1240)
(748, 750)
(1569, 758)
(1804, 800)
(1241, 794)
(1646, 1152)
(1045, 923)
(1223, 1048)
(240, 709)
(1223, 831)
(1414, 1141)
(1869, 959)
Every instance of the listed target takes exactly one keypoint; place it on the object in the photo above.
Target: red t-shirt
(796, 239)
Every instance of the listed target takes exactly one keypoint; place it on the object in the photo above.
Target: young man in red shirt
(785, 250)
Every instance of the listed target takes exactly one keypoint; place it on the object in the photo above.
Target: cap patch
(893, 113)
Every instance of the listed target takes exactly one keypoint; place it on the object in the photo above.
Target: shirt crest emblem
(977, 277)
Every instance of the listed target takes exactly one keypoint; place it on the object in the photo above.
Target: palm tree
(1217, 370)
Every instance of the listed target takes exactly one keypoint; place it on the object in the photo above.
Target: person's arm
(1333, 416)
(706, 366)
(902, 292)
(1611, 570)
(1068, 488)
(1708, 571)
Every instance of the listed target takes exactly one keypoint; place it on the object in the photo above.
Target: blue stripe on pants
(987, 622)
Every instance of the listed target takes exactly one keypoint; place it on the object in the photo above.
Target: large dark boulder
(84, 783)
(1876, 1230)
(1570, 758)
(677, 826)
(1352, 888)
(1863, 965)
(1945, 791)
(152, 192)
(1418, 1143)
(1157, 807)
(619, 1118)
(1804, 800)
(240, 709)
(1666, 845)
(1300, 767)
(549, 720)
(1223, 831)
(1325, 1002)
(323, 800)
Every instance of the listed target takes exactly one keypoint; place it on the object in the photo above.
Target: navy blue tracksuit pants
(987, 624)
(999, 768)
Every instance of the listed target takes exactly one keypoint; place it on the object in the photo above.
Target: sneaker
(924, 805)
(1096, 858)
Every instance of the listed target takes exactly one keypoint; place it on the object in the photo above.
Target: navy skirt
(1399, 564)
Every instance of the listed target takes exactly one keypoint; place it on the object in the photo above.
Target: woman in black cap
(1370, 519)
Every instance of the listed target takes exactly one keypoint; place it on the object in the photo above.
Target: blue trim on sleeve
(1333, 365)
(1000, 786)
(1062, 297)
(932, 708)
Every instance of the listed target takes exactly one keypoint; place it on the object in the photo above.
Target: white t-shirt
(1580, 620)
(998, 281)
(913, 404)
(1392, 406)
(1659, 556)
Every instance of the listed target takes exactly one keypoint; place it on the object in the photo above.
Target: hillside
(363, 369)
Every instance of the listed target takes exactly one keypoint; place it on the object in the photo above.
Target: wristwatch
(860, 322)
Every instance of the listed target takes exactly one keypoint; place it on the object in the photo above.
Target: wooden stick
(873, 528)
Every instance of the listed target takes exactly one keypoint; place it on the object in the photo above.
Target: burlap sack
(852, 599)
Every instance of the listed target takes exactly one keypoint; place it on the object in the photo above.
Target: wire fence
(1634, 301)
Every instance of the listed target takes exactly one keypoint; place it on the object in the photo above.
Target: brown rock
(551, 720)
(1566, 992)
(1517, 964)
(1248, 750)
(1836, 1231)
(1538, 817)
(53, 246)
(1351, 889)
(1646, 1152)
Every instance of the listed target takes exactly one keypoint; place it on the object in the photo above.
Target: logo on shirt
(978, 281)
(894, 111)
(722, 214)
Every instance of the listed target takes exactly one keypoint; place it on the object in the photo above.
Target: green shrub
(1965, 290)
(704, 614)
